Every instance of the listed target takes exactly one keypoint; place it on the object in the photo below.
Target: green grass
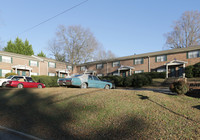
(60, 113)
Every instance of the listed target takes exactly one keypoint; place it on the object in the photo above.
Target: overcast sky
(125, 27)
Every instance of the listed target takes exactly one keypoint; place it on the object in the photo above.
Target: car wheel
(39, 86)
(4, 85)
(107, 87)
(83, 85)
(20, 86)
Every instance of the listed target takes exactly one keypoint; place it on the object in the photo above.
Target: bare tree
(75, 43)
(56, 50)
(186, 31)
(102, 54)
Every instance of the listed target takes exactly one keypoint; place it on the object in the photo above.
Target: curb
(19, 133)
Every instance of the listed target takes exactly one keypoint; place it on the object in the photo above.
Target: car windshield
(76, 75)
(9, 77)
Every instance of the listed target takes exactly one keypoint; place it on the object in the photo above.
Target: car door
(90, 81)
(30, 83)
(98, 83)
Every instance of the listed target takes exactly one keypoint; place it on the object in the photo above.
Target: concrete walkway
(10, 134)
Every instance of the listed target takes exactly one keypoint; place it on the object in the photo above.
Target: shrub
(180, 87)
(11, 73)
(154, 75)
(196, 70)
(49, 81)
(117, 80)
(189, 71)
(140, 80)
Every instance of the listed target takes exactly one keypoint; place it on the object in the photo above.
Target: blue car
(84, 81)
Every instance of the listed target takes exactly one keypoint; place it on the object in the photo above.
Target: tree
(102, 54)
(41, 54)
(19, 47)
(186, 31)
(74, 44)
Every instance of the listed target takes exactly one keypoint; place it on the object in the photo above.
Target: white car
(11, 77)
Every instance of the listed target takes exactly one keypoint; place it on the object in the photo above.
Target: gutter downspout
(149, 65)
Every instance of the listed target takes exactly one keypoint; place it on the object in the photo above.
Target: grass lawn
(64, 113)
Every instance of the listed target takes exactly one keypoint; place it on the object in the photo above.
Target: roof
(170, 51)
(32, 57)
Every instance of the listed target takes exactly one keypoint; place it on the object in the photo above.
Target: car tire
(84, 85)
(107, 87)
(20, 86)
(4, 85)
(39, 86)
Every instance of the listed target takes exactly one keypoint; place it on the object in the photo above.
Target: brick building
(172, 61)
(31, 65)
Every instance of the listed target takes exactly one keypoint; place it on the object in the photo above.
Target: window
(116, 64)
(6, 59)
(52, 74)
(69, 67)
(4, 72)
(161, 58)
(99, 75)
(29, 79)
(34, 73)
(115, 73)
(138, 61)
(52, 65)
(193, 54)
(99, 66)
(139, 71)
(33, 63)
(161, 70)
(83, 68)
(95, 78)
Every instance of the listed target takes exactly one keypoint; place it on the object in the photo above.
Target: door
(172, 72)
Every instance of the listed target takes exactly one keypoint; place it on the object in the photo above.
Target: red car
(24, 82)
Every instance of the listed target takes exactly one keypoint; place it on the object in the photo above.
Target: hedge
(193, 70)
(49, 81)
(11, 73)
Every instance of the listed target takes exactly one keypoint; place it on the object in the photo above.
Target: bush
(117, 80)
(189, 71)
(140, 80)
(180, 87)
(155, 75)
(196, 70)
(11, 73)
(49, 81)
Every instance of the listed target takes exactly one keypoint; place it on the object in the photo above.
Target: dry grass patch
(60, 113)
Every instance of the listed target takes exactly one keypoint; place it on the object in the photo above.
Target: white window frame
(99, 66)
(4, 72)
(138, 61)
(193, 54)
(138, 71)
(161, 58)
(161, 70)
(83, 68)
(100, 74)
(69, 67)
(6, 59)
(52, 65)
(33, 63)
(116, 64)
(34, 73)
(52, 74)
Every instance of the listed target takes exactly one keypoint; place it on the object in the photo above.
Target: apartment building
(32, 65)
(172, 61)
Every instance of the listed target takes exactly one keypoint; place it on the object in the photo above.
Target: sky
(125, 27)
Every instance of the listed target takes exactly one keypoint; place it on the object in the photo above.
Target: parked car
(4, 80)
(23, 82)
(84, 81)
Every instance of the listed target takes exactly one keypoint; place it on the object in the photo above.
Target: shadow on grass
(197, 107)
(194, 93)
(178, 114)
(25, 111)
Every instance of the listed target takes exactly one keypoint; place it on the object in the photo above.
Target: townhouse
(32, 65)
(172, 61)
